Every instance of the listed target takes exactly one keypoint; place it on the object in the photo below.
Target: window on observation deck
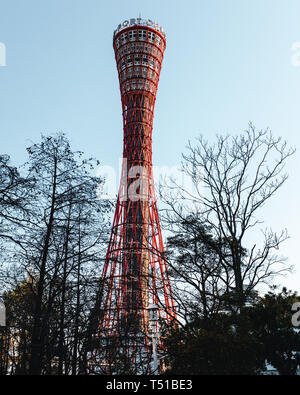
(129, 61)
(123, 38)
(145, 60)
(117, 43)
(132, 35)
(136, 72)
(142, 35)
(123, 64)
(158, 40)
(137, 60)
(151, 37)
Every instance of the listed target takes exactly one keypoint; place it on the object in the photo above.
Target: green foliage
(273, 327)
(220, 348)
(239, 343)
(20, 303)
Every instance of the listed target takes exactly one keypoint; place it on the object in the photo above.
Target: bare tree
(14, 208)
(59, 250)
(194, 264)
(233, 179)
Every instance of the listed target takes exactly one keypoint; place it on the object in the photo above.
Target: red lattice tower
(135, 274)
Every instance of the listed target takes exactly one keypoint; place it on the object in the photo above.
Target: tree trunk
(36, 341)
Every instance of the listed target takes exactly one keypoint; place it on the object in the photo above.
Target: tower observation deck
(135, 273)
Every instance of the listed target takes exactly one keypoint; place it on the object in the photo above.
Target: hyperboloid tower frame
(135, 274)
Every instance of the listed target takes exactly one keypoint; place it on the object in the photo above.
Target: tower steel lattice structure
(135, 274)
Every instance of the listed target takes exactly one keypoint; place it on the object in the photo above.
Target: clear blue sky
(227, 62)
